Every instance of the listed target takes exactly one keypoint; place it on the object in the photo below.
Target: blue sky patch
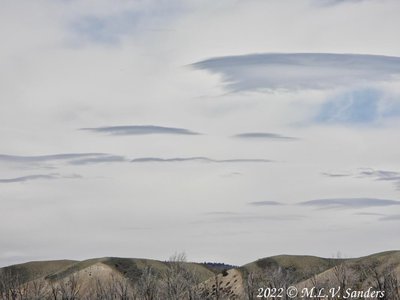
(363, 106)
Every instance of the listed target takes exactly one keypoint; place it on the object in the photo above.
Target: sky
(228, 130)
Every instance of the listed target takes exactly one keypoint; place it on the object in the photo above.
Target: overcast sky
(230, 130)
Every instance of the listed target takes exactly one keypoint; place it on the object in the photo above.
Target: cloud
(334, 175)
(368, 214)
(391, 218)
(140, 130)
(199, 159)
(265, 203)
(296, 71)
(234, 218)
(350, 203)
(221, 213)
(38, 177)
(137, 228)
(231, 174)
(368, 173)
(69, 158)
(97, 160)
(265, 218)
(380, 174)
(44, 158)
(263, 135)
(117, 72)
(335, 2)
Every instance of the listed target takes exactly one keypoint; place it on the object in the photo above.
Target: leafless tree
(69, 288)
(384, 279)
(271, 277)
(9, 284)
(54, 290)
(317, 285)
(253, 282)
(23, 291)
(341, 273)
(112, 288)
(278, 278)
(147, 287)
(175, 287)
(392, 286)
(179, 281)
(38, 289)
(121, 287)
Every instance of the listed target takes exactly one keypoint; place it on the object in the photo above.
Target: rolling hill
(133, 278)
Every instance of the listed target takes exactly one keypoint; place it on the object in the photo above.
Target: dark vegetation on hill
(219, 267)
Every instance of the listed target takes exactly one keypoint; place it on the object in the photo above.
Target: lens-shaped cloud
(350, 203)
(296, 71)
(140, 130)
(67, 158)
(199, 159)
(38, 177)
(265, 203)
(264, 135)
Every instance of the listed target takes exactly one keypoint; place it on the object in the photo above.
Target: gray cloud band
(199, 159)
(38, 177)
(95, 158)
(350, 203)
(296, 71)
(390, 218)
(69, 158)
(140, 130)
(264, 135)
(380, 175)
(265, 203)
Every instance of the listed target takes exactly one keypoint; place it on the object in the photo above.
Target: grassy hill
(36, 269)
(299, 267)
(131, 268)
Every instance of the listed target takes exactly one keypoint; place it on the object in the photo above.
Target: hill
(134, 278)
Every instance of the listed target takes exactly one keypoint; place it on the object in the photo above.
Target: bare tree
(38, 289)
(54, 290)
(9, 284)
(384, 279)
(69, 288)
(147, 286)
(112, 288)
(253, 282)
(341, 273)
(317, 286)
(179, 280)
(392, 286)
(101, 290)
(23, 291)
(175, 287)
(121, 287)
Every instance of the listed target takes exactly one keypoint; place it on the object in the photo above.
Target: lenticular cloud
(296, 71)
